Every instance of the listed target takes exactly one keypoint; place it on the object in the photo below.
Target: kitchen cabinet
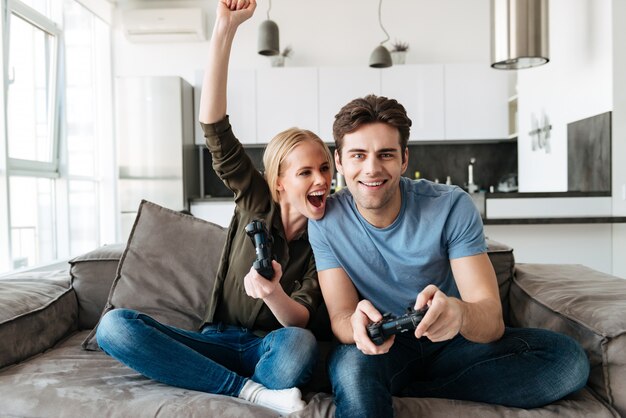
(476, 102)
(444, 101)
(286, 97)
(241, 104)
(338, 86)
(420, 89)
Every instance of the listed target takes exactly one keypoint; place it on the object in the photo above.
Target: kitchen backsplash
(494, 160)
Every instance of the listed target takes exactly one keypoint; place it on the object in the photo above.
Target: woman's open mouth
(316, 198)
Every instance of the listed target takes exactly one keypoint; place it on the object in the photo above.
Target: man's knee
(359, 383)
(575, 366)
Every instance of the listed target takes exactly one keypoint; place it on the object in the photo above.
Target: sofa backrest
(93, 274)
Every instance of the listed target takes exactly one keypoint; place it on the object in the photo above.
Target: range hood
(519, 34)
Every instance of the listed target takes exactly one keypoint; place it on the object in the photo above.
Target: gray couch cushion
(38, 309)
(585, 304)
(70, 382)
(168, 268)
(503, 262)
(92, 276)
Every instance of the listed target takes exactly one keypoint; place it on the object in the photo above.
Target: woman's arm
(230, 14)
(286, 310)
(230, 161)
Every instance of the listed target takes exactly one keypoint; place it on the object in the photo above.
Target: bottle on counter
(340, 182)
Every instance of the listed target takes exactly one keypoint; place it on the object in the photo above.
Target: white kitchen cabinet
(218, 212)
(476, 102)
(286, 97)
(338, 86)
(420, 89)
(241, 104)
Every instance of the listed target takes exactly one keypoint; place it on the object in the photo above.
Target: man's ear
(338, 165)
(405, 159)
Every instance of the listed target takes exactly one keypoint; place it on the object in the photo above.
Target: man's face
(372, 163)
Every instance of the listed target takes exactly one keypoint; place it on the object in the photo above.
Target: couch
(45, 318)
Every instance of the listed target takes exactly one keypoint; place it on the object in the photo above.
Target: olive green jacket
(229, 302)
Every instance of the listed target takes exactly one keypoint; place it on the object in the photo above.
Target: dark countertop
(524, 195)
(555, 221)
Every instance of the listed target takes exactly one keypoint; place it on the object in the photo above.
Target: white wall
(586, 244)
(324, 33)
(577, 83)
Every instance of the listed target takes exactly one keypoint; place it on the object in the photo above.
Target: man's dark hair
(371, 109)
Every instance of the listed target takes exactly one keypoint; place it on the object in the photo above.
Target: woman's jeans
(526, 368)
(217, 359)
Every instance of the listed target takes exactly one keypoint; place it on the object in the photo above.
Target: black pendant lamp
(519, 34)
(380, 57)
(268, 36)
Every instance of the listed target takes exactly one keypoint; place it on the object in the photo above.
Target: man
(388, 243)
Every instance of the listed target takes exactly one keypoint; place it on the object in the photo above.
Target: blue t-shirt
(390, 266)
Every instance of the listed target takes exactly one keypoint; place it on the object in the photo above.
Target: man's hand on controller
(444, 318)
(365, 314)
(259, 287)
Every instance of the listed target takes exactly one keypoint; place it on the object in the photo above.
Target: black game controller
(390, 325)
(257, 231)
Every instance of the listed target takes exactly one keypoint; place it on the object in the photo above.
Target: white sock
(283, 401)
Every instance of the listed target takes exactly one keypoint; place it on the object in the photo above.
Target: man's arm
(348, 316)
(478, 316)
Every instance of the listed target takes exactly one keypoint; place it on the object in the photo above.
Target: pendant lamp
(519, 34)
(380, 57)
(268, 36)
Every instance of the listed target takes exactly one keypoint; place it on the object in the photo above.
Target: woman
(253, 345)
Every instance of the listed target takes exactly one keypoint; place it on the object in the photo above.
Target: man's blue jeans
(217, 359)
(526, 368)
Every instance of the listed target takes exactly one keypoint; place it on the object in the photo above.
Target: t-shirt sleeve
(324, 256)
(464, 227)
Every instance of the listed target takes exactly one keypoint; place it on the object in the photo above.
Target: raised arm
(229, 15)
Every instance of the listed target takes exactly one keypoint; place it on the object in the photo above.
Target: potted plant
(398, 52)
(279, 60)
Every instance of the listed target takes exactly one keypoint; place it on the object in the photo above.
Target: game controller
(391, 325)
(262, 241)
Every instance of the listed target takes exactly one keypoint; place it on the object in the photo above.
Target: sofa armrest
(585, 304)
(37, 309)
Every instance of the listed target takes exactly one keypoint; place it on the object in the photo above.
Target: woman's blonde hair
(280, 146)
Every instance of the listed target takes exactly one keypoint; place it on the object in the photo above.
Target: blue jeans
(217, 359)
(526, 368)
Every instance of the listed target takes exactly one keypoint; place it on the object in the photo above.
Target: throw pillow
(168, 268)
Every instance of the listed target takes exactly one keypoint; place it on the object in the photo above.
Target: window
(56, 168)
(88, 122)
(30, 91)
